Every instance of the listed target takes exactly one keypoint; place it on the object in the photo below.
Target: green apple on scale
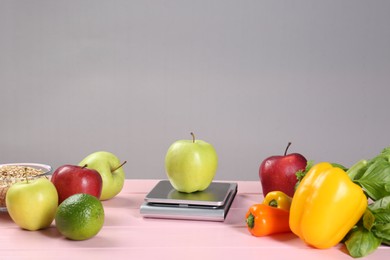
(191, 165)
(110, 168)
(199, 196)
(32, 204)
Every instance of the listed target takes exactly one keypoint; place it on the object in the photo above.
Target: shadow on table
(121, 202)
(295, 241)
(51, 232)
(5, 218)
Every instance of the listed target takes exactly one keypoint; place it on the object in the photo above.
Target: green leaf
(382, 215)
(386, 151)
(342, 167)
(301, 173)
(382, 231)
(357, 170)
(368, 219)
(387, 187)
(362, 242)
(375, 179)
(381, 203)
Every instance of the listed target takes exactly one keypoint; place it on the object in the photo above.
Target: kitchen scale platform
(212, 204)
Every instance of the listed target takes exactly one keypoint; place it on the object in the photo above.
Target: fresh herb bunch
(373, 175)
(374, 227)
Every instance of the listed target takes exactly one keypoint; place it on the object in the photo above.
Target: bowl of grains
(11, 173)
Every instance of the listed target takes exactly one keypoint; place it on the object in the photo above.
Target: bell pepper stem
(273, 203)
(250, 221)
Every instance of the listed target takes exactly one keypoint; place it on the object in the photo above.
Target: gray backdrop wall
(131, 77)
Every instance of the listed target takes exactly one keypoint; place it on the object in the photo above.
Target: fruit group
(111, 170)
(80, 217)
(73, 179)
(32, 204)
(278, 172)
(191, 165)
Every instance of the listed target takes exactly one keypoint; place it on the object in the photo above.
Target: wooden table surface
(127, 235)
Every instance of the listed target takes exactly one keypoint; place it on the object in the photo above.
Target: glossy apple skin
(277, 173)
(191, 165)
(107, 165)
(73, 179)
(32, 205)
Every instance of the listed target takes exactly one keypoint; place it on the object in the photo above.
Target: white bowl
(11, 173)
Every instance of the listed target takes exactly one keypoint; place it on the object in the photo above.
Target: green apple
(111, 170)
(32, 204)
(191, 165)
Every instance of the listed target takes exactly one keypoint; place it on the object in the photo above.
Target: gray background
(131, 77)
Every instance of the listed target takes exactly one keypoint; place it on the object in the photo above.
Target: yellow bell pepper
(278, 199)
(325, 206)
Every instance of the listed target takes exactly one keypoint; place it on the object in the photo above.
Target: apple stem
(85, 166)
(193, 137)
(285, 151)
(119, 166)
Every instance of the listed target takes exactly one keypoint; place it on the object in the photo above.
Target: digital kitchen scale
(213, 204)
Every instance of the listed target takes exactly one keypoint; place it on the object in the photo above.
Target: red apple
(277, 173)
(72, 179)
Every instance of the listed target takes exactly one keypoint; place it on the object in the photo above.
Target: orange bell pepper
(263, 220)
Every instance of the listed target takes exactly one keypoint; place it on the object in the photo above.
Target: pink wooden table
(127, 235)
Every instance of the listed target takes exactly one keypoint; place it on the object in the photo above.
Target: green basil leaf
(386, 150)
(376, 178)
(362, 242)
(385, 153)
(382, 231)
(338, 165)
(381, 203)
(382, 215)
(368, 219)
(387, 186)
(357, 170)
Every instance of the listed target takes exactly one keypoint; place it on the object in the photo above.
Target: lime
(80, 217)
